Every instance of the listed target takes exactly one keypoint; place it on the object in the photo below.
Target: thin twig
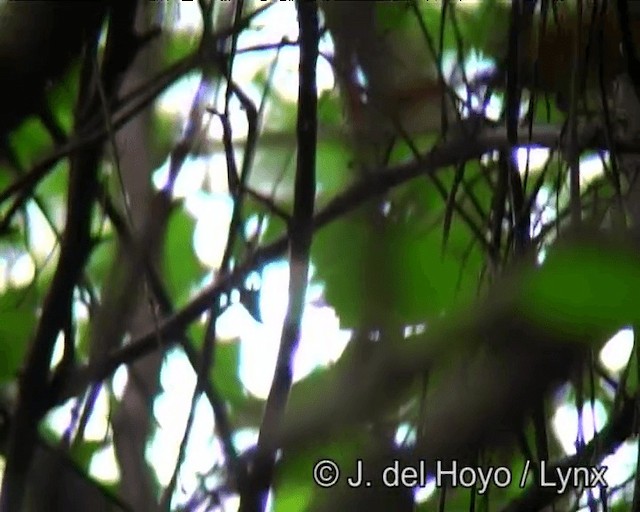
(450, 153)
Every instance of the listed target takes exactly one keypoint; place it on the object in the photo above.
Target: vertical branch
(513, 65)
(36, 382)
(575, 205)
(300, 233)
(520, 18)
(625, 12)
(75, 248)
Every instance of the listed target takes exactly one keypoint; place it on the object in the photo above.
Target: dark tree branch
(260, 476)
(604, 443)
(160, 294)
(56, 32)
(75, 248)
(93, 132)
(35, 395)
(192, 130)
(453, 151)
(629, 49)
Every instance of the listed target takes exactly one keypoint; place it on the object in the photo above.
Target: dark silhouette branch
(75, 248)
(453, 151)
(254, 491)
(35, 393)
(619, 428)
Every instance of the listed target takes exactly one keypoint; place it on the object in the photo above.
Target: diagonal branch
(451, 152)
(75, 248)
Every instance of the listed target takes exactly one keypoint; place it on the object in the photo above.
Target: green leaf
(179, 45)
(101, 259)
(295, 488)
(391, 16)
(546, 110)
(6, 176)
(225, 374)
(293, 496)
(330, 111)
(17, 319)
(62, 97)
(83, 339)
(486, 27)
(53, 187)
(30, 141)
(585, 290)
(181, 267)
(83, 452)
(392, 269)
(337, 253)
(332, 169)
(165, 129)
